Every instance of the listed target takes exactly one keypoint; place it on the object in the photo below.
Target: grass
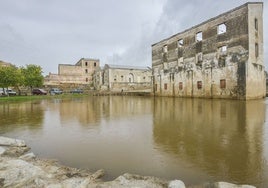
(18, 98)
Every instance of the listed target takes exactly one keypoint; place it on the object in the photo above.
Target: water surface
(194, 140)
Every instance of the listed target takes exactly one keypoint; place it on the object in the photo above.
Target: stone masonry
(219, 58)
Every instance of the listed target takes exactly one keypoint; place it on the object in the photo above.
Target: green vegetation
(39, 97)
(29, 76)
(10, 76)
(32, 75)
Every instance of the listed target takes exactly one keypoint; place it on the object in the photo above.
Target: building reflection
(222, 138)
(90, 111)
(26, 115)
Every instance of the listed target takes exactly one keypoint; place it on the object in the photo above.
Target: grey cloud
(115, 31)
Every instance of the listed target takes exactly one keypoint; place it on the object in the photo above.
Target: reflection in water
(195, 140)
(222, 138)
(95, 109)
(28, 115)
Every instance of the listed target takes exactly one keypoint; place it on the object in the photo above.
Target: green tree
(32, 76)
(10, 76)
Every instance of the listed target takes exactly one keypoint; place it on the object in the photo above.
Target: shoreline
(19, 167)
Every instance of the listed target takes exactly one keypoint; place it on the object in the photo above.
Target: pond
(194, 140)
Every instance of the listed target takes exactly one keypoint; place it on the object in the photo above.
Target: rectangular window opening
(199, 58)
(199, 84)
(256, 50)
(199, 36)
(165, 49)
(180, 86)
(223, 48)
(256, 24)
(223, 84)
(221, 29)
(165, 86)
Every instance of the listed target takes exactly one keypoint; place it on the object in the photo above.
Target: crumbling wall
(209, 60)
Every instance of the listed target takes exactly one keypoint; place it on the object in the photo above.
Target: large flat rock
(4, 141)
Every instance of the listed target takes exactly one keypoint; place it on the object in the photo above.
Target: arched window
(131, 77)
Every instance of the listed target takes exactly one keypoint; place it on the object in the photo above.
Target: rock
(2, 150)
(131, 180)
(176, 184)
(4, 141)
(18, 173)
(27, 156)
(230, 185)
(98, 174)
(15, 151)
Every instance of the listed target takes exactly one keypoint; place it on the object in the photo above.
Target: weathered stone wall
(65, 69)
(213, 64)
(116, 78)
(79, 74)
(256, 78)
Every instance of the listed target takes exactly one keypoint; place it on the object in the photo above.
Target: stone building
(4, 64)
(118, 78)
(219, 58)
(80, 74)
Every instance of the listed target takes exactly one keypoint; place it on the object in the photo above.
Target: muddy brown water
(194, 140)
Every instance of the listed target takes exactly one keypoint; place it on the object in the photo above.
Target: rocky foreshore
(21, 168)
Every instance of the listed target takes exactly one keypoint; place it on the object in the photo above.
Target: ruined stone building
(219, 58)
(118, 78)
(80, 74)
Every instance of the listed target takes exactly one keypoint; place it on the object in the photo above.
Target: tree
(32, 75)
(10, 76)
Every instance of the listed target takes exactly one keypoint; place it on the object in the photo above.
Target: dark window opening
(222, 61)
(95, 64)
(86, 63)
(256, 24)
(86, 71)
(199, 84)
(256, 50)
(223, 84)
(165, 86)
(86, 79)
(180, 86)
(171, 77)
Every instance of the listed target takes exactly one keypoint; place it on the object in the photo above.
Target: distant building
(123, 78)
(80, 74)
(219, 58)
(4, 64)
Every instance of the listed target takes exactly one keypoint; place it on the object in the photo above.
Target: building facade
(80, 74)
(118, 78)
(219, 58)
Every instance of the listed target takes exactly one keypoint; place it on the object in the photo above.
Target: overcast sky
(52, 32)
